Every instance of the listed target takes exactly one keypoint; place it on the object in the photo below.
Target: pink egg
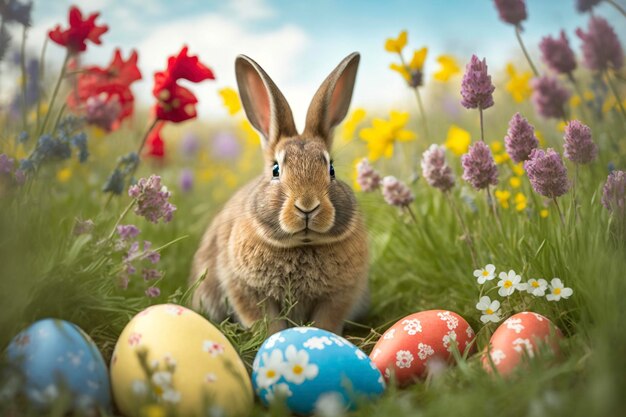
(420, 342)
(518, 336)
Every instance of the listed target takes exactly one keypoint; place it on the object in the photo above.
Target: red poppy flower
(176, 103)
(75, 37)
(154, 142)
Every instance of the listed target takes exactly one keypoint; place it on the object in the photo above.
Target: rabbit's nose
(307, 208)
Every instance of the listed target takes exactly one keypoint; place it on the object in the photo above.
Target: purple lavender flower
(547, 173)
(186, 180)
(127, 231)
(102, 112)
(557, 54)
(153, 292)
(20, 176)
(614, 192)
(152, 199)
(586, 5)
(150, 274)
(6, 164)
(153, 256)
(225, 146)
(512, 11)
(367, 177)
(396, 193)
(520, 139)
(435, 169)
(601, 47)
(189, 145)
(549, 97)
(479, 168)
(579, 147)
(476, 87)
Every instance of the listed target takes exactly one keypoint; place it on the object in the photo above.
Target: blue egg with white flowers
(311, 369)
(56, 358)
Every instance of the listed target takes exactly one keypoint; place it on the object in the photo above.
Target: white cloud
(251, 9)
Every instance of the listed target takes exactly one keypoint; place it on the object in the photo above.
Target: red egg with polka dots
(421, 342)
(519, 338)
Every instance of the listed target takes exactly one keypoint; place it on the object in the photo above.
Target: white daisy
(509, 283)
(404, 358)
(485, 274)
(272, 369)
(297, 367)
(489, 309)
(537, 287)
(412, 326)
(317, 342)
(558, 290)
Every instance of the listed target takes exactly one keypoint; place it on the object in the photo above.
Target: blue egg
(55, 357)
(306, 367)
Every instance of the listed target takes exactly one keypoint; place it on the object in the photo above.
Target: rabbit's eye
(332, 170)
(275, 170)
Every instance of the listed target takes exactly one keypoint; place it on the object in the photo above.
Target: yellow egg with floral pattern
(172, 359)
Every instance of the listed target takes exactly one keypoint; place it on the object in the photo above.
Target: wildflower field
(497, 190)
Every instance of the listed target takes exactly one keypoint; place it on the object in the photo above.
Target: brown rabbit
(294, 235)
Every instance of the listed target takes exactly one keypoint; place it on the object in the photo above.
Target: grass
(47, 271)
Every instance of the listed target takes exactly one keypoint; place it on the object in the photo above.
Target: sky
(298, 42)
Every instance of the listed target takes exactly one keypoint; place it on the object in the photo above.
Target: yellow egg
(171, 357)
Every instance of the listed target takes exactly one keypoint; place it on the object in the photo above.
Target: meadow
(72, 150)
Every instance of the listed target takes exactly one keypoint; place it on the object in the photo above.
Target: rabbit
(294, 236)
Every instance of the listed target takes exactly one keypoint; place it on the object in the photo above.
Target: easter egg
(304, 365)
(174, 357)
(420, 341)
(518, 336)
(56, 358)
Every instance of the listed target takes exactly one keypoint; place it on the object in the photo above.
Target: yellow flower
(574, 101)
(518, 169)
(519, 84)
(458, 140)
(64, 174)
(515, 182)
(496, 146)
(350, 125)
(448, 68)
(252, 137)
(561, 126)
(398, 44)
(520, 202)
(231, 100)
(355, 174)
(416, 64)
(542, 141)
(501, 158)
(402, 70)
(383, 135)
(503, 198)
(544, 213)
(153, 410)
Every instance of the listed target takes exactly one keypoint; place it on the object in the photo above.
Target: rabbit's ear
(265, 105)
(332, 100)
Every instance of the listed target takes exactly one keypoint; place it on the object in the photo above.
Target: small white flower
(489, 309)
(162, 378)
(496, 356)
(521, 344)
(317, 342)
(213, 348)
(210, 377)
(389, 334)
(272, 369)
(558, 290)
(279, 390)
(376, 352)
(537, 287)
(273, 339)
(297, 367)
(360, 354)
(412, 326)
(450, 320)
(485, 274)
(509, 283)
(514, 324)
(424, 351)
(404, 358)
(171, 396)
(448, 339)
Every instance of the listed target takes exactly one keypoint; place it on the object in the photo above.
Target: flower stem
(55, 92)
(23, 70)
(466, 232)
(617, 6)
(142, 144)
(41, 75)
(492, 203)
(558, 209)
(482, 129)
(574, 202)
(422, 112)
(408, 208)
(119, 219)
(518, 34)
(579, 91)
(615, 93)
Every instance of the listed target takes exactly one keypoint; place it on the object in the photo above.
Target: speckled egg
(419, 341)
(172, 356)
(518, 336)
(305, 365)
(55, 357)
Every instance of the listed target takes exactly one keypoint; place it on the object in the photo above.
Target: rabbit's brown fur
(293, 240)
